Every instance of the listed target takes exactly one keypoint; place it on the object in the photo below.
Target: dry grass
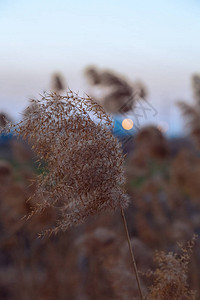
(171, 280)
(119, 95)
(83, 175)
(84, 172)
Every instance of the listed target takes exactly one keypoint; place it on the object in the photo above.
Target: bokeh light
(127, 124)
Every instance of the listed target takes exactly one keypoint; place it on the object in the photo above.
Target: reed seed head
(84, 173)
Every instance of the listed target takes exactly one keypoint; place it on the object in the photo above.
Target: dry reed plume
(120, 95)
(171, 275)
(192, 112)
(57, 83)
(84, 173)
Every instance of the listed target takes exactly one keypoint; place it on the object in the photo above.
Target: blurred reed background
(141, 63)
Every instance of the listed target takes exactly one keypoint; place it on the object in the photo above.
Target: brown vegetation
(81, 174)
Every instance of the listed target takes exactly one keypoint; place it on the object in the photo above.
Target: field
(92, 260)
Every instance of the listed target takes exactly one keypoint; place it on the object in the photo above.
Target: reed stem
(132, 255)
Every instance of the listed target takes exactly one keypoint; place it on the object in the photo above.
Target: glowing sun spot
(127, 124)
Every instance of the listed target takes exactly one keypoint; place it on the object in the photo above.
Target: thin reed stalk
(132, 255)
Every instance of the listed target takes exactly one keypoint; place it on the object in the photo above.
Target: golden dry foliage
(84, 173)
(171, 275)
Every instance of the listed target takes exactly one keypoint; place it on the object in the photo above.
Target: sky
(154, 41)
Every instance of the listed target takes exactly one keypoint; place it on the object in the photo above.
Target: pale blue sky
(156, 41)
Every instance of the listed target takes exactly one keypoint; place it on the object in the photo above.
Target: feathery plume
(84, 173)
(120, 96)
(171, 275)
